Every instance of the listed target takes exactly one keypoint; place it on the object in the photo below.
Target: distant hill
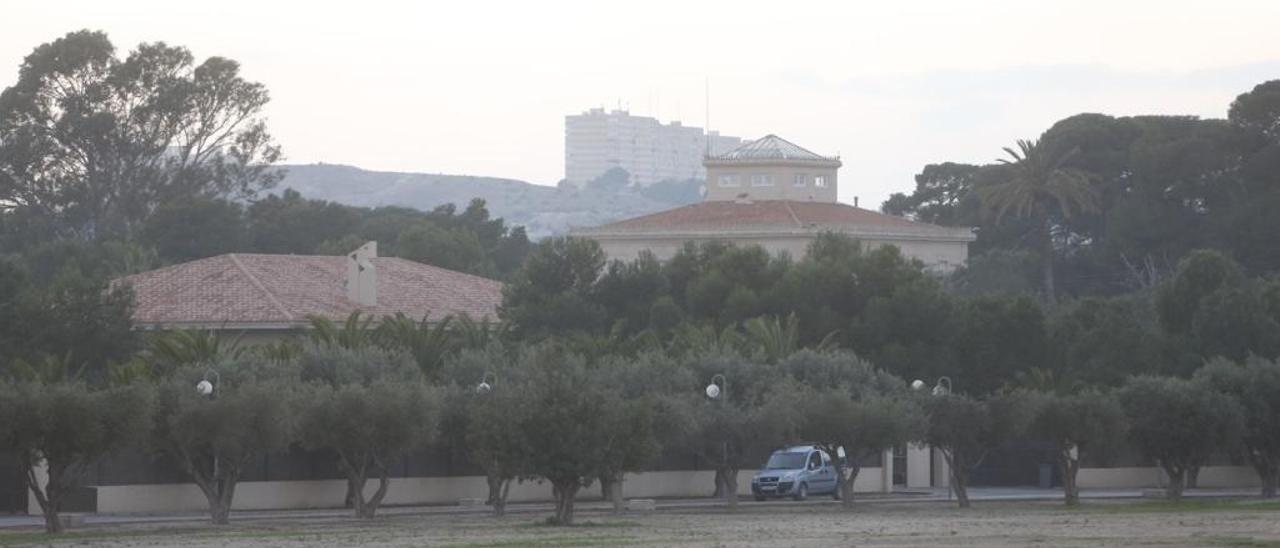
(542, 210)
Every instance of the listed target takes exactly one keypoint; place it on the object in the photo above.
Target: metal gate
(13, 486)
(1017, 464)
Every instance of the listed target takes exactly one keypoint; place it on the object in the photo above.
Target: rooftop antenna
(706, 89)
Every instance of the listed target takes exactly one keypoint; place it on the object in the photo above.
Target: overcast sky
(482, 88)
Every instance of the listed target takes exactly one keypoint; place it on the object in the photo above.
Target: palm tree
(1041, 188)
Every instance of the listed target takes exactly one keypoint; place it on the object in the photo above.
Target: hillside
(542, 210)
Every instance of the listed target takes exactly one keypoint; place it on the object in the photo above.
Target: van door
(821, 480)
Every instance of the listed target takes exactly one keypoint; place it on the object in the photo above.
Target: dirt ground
(914, 524)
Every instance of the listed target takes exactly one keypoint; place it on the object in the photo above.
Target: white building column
(918, 467)
(886, 471)
(941, 471)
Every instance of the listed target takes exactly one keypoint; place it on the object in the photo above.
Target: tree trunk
(1193, 476)
(219, 512)
(730, 478)
(1050, 291)
(1069, 466)
(219, 490)
(1177, 479)
(611, 490)
(1268, 469)
(1270, 484)
(959, 479)
(495, 487)
(846, 484)
(48, 497)
(500, 503)
(565, 492)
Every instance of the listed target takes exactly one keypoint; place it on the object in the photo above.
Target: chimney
(362, 276)
(855, 201)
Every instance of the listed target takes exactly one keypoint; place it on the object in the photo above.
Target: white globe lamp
(204, 387)
(713, 391)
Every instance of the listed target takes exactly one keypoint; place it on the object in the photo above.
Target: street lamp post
(941, 388)
(210, 388)
(720, 391)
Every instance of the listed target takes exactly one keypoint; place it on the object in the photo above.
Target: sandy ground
(915, 524)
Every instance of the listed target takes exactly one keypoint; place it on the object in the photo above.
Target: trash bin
(1046, 476)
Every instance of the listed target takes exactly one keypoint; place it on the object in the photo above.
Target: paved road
(915, 496)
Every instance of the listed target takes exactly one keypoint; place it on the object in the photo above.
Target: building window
(728, 179)
(801, 179)
(820, 181)
(761, 179)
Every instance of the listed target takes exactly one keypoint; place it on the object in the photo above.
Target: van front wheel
(802, 492)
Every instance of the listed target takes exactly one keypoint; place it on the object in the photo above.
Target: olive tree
(1087, 422)
(572, 425)
(1255, 385)
(495, 437)
(745, 417)
(645, 418)
(369, 427)
(965, 429)
(482, 419)
(66, 426)
(833, 420)
(1179, 423)
(249, 410)
(845, 403)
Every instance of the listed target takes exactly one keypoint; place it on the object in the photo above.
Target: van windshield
(785, 461)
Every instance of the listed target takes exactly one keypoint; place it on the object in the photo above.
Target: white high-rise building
(596, 141)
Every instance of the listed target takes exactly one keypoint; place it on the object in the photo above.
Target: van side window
(815, 461)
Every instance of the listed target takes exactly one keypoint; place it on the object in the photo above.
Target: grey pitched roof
(771, 147)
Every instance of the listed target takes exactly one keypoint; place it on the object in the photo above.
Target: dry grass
(915, 524)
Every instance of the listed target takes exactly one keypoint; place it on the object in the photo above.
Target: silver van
(797, 472)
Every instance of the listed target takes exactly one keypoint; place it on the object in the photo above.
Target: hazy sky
(482, 88)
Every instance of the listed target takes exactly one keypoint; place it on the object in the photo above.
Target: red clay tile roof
(773, 214)
(282, 290)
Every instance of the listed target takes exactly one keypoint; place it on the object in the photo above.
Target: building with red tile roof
(773, 193)
(250, 291)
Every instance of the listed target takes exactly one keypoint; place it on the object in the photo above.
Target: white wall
(278, 495)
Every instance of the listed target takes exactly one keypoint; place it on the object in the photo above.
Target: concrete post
(886, 471)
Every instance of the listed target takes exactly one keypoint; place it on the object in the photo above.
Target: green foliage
(1255, 386)
(1091, 423)
(71, 318)
(1179, 423)
(213, 438)
(966, 429)
(1161, 186)
(863, 426)
(195, 228)
(96, 142)
(67, 425)
(552, 291)
(1199, 275)
(338, 366)
(369, 427)
(574, 428)
(613, 180)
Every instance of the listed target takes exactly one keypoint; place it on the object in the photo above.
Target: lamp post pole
(211, 387)
(720, 391)
(941, 388)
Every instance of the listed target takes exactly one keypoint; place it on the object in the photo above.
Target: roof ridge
(275, 302)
